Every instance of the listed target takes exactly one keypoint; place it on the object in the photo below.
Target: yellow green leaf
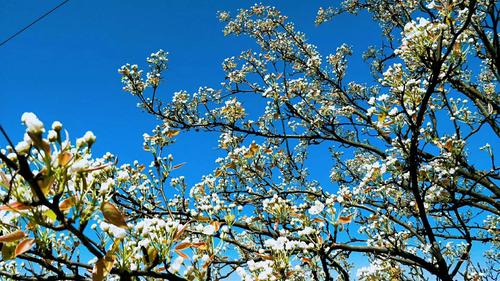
(50, 215)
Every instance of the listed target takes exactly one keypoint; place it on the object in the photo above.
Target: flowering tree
(404, 191)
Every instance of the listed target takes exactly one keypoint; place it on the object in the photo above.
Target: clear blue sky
(65, 67)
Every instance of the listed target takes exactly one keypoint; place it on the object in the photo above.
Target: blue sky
(65, 67)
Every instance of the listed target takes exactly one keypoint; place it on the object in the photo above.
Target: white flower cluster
(371, 272)
(282, 243)
(23, 146)
(232, 110)
(261, 270)
(33, 124)
(107, 186)
(112, 230)
(155, 229)
(306, 231)
(175, 265)
(87, 139)
(317, 208)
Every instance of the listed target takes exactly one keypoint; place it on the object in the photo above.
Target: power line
(32, 23)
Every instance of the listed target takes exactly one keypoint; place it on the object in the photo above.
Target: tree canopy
(405, 201)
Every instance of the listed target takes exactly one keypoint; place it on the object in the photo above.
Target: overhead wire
(33, 22)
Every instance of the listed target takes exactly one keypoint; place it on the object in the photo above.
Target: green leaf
(8, 250)
(50, 215)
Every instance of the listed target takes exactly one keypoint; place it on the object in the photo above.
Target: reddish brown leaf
(183, 245)
(184, 256)
(15, 206)
(345, 219)
(24, 246)
(161, 269)
(266, 257)
(113, 215)
(200, 245)
(180, 231)
(67, 203)
(179, 165)
(13, 236)
(306, 260)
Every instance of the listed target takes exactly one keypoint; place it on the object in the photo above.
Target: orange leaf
(218, 173)
(200, 245)
(67, 203)
(216, 224)
(161, 269)
(13, 236)
(266, 257)
(179, 165)
(64, 158)
(202, 219)
(15, 206)
(184, 256)
(104, 265)
(180, 231)
(254, 148)
(207, 264)
(183, 245)
(172, 133)
(24, 246)
(113, 215)
(345, 219)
